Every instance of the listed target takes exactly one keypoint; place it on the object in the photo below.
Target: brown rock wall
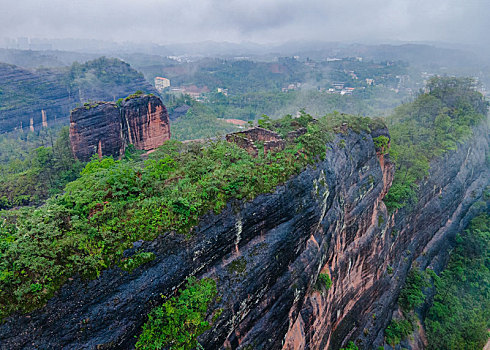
(107, 129)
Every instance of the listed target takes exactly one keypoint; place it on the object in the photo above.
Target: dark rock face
(28, 95)
(96, 130)
(329, 219)
(107, 129)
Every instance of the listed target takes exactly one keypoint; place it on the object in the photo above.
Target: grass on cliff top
(115, 203)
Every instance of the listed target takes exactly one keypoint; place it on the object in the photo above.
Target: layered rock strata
(107, 129)
(266, 256)
(33, 99)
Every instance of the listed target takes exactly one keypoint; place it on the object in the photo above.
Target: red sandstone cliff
(107, 129)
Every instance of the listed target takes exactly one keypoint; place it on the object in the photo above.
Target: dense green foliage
(426, 128)
(397, 331)
(44, 171)
(460, 315)
(324, 282)
(115, 203)
(180, 320)
(411, 295)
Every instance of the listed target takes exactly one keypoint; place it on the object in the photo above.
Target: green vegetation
(437, 121)
(381, 143)
(43, 172)
(101, 72)
(350, 346)
(136, 260)
(397, 331)
(137, 93)
(112, 204)
(412, 296)
(180, 320)
(323, 282)
(200, 123)
(204, 119)
(460, 314)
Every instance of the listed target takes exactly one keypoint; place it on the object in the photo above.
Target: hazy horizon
(250, 22)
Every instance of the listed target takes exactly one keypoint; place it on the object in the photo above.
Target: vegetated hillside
(460, 311)
(50, 94)
(424, 135)
(29, 177)
(42, 172)
(286, 249)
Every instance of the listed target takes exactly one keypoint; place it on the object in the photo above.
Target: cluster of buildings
(339, 88)
(197, 93)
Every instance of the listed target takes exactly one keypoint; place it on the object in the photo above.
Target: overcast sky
(171, 21)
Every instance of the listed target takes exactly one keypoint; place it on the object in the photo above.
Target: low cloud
(171, 21)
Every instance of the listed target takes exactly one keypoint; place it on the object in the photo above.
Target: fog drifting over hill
(171, 21)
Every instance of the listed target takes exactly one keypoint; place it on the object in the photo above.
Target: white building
(161, 83)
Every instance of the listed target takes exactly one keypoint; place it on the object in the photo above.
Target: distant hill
(50, 93)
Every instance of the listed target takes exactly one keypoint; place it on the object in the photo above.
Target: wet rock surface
(107, 129)
(266, 255)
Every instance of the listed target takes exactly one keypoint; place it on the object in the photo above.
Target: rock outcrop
(44, 97)
(28, 95)
(328, 219)
(107, 128)
(247, 140)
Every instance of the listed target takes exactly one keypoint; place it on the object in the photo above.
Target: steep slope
(27, 96)
(297, 238)
(266, 256)
(45, 96)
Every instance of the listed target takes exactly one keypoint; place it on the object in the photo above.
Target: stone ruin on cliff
(272, 141)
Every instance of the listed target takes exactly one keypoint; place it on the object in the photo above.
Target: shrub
(381, 143)
(324, 281)
(350, 346)
(458, 317)
(412, 294)
(180, 320)
(426, 128)
(397, 331)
